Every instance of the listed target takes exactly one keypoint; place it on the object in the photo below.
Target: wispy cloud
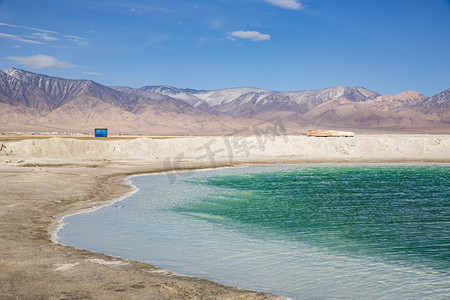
(74, 37)
(91, 73)
(46, 37)
(157, 38)
(29, 28)
(41, 62)
(250, 35)
(287, 4)
(126, 6)
(218, 22)
(77, 39)
(18, 38)
(42, 34)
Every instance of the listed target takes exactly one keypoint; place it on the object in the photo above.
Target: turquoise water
(301, 231)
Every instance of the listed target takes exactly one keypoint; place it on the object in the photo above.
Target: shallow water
(302, 231)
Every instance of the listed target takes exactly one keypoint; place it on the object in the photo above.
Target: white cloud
(132, 10)
(287, 4)
(250, 35)
(40, 62)
(17, 47)
(46, 37)
(17, 38)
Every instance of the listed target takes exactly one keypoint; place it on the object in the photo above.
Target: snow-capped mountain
(187, 95)
(248, 101)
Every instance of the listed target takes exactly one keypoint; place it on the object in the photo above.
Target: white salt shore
(210, 150)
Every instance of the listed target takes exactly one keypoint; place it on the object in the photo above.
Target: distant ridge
(36, 102)
(438, 104)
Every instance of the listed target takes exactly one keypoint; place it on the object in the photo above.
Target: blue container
(101, 132)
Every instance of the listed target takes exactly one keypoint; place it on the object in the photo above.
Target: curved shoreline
(56, 226)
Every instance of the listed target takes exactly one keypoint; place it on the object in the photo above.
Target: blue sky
(384, 45)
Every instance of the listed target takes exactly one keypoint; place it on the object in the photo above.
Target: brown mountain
(438, 105)
(398, 102)
(35, 102)
(363, 115)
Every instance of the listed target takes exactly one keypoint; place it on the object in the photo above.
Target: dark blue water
(306, 232)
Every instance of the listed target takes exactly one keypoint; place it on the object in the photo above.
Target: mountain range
(37, 102)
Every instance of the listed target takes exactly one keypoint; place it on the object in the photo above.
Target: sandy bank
(43, 179)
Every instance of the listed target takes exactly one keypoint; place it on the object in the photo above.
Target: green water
(399, 213)
(302, 231)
